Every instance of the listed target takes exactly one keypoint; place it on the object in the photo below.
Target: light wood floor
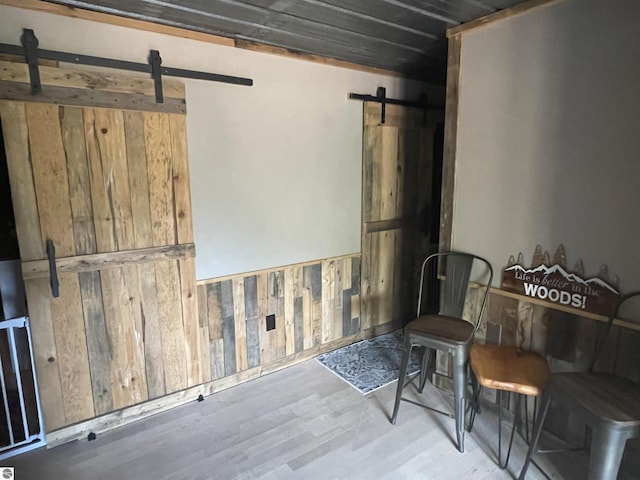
(299, 423)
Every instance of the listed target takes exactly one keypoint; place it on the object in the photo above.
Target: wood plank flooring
(302, 422)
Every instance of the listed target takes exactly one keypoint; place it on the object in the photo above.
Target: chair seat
(609, 398)
(441, 327)
(509, 369)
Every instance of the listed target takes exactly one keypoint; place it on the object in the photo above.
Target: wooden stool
(506, 369)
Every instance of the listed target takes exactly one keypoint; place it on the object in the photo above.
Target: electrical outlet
(271, 322)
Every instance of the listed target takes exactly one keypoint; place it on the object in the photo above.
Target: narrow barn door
(397, 171)
(102, 202)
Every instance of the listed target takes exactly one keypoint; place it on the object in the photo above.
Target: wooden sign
(553, 283)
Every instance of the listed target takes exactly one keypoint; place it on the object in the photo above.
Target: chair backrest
(456, 270)
(633, 318)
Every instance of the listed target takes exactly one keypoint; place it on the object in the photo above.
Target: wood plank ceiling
(403, 36)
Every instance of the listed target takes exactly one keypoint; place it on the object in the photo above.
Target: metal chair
(608, 403)
(506, 369)
(447, 330)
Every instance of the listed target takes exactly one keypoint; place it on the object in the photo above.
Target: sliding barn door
(109, 190)
(397, 169)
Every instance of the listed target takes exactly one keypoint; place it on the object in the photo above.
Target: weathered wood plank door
(110, 188)
(397, 169)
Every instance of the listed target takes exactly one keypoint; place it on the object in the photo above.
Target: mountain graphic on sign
(555, 270)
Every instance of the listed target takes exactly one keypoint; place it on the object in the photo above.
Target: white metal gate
(21, 426)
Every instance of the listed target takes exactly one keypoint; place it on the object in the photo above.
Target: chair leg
(607, 447)
(537, 428)
(424, 370)
(474, 406)
(513, 429)
(459, 396)
(526, 415)
(401, 375)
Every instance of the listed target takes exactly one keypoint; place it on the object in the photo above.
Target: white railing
(24, 428)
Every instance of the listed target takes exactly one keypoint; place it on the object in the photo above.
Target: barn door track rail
(32, 53)
(381, 97)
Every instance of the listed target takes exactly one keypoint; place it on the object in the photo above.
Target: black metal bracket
(53, 272)
(30, 46)
(155, 61)
(32, 53)
(381, 97)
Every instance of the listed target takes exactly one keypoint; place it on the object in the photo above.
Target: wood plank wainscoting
(313, 304)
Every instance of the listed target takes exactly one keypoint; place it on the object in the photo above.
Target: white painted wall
(549, 137)
(275, 168)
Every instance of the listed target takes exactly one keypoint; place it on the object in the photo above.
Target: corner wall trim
(450, 143)
(500, 15)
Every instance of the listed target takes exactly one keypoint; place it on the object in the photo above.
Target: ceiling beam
(83, 14)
